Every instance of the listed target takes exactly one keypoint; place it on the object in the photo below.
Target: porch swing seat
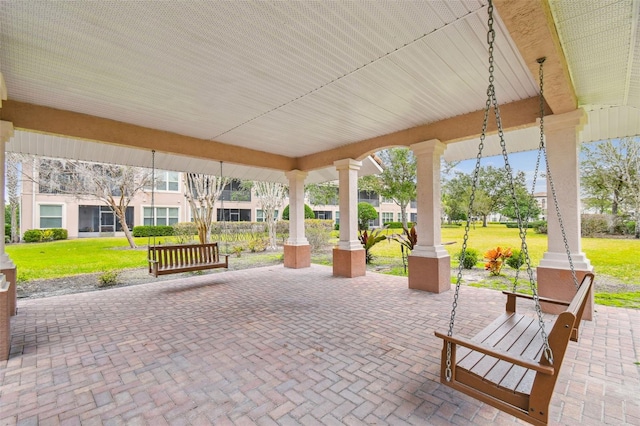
(498, 366)
(174, 259)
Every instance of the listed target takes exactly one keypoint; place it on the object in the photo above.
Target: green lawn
(617, 258)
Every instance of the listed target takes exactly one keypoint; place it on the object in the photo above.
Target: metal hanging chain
(476, 173)
(492, 102)
(538, 157)
(153, 193)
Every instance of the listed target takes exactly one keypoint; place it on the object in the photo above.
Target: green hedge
(397, 225)
(533, 224)
(40, 235)
(152, 231)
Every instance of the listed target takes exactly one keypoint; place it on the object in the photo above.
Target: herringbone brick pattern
(276, 346)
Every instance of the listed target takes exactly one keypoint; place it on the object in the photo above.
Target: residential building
(43, 208)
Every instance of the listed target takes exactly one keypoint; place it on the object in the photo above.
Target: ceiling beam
(516, 115)
(533, 30)
(82, 126)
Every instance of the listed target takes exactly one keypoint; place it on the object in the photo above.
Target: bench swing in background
(177, 258)
(514, 363)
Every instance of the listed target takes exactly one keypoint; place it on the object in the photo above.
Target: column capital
(576, 119)
(6, 131)
(296, 174)
(347, 164)
(432, 146)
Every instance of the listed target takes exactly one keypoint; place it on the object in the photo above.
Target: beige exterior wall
(32, 202)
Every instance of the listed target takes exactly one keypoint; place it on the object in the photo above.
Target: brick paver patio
(279, 346)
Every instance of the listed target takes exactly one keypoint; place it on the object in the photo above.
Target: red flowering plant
(495, 260)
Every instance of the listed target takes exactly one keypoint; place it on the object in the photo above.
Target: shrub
(631, 227)
(237, 250)
(318, 232)
(470, 258)
(366, 212)
(398, 225)
(41, 235)
(7, 230)
(592, 224)
(152, 231)
(108, 279)
(185, 232)
(308, 213)
(59, 234)
(540, 227)
(256, 245)
(516, 260)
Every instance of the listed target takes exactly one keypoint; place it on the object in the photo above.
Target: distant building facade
(41, 208)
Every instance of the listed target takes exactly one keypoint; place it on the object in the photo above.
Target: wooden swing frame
(497, 366)
(178, 258)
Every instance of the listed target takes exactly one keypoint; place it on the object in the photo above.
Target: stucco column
(348, 256)
(554, 273)
(429, 262)
(7, 267)
(297, 251)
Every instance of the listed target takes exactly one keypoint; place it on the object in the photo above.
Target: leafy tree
(493, 194)
(202, 191)
(13, 170)
(308, 212)
(113, 184)
(366, 212)
(270, 197)
(397, 181)
(610, 171)
(321, 194)
(455, 196)
(527, 205)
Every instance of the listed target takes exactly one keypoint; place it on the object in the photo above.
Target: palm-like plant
(369, 239)
(407, 240)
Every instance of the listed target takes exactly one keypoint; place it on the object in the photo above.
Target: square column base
(558, 284)
(297, 257)
(349, 263)
(5, 320)
(431, 274)
(11, 275)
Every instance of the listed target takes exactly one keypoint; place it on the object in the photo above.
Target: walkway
(275, 346)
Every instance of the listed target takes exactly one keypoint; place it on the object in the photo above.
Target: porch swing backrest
(497, 366)
(173, 259)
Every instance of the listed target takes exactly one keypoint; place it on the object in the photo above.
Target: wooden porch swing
(514, 363)
(177, 258)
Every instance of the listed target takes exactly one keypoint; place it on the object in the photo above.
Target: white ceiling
(296, 78)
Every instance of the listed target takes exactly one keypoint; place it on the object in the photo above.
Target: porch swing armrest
(542, 299)
(496, 353)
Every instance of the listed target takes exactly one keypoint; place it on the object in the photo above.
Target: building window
(164, 216)
(50, 216)
(387, 217)
(337, 218)
(260, 215)
(234, 215)
(322, 214)
(166, 181)
(234, 192)
(370, 197)
(414, 217)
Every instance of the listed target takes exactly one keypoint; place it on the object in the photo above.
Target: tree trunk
(484, 221)
(15, 232)
(125, 227)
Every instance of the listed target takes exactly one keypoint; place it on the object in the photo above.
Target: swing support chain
(492, 102)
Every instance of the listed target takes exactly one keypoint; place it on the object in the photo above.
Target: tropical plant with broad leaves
(495, 259)
(369, 239)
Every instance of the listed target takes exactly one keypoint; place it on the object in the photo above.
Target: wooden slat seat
(504, 365)
(173, 259)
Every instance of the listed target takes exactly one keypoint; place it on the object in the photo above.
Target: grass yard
(617, 258)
